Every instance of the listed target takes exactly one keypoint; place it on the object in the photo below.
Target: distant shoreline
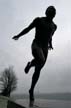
(56, 96)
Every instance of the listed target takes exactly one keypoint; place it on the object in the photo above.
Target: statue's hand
(50, 48)
(15, 37)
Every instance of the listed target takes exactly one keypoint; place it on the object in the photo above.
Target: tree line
(8, 81)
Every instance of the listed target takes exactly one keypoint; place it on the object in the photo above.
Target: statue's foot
(31, 98)
(31, 103)
(27, 67)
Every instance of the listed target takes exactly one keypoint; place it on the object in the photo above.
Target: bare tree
(8, 81)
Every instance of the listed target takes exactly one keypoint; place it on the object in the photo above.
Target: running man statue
(44, 30)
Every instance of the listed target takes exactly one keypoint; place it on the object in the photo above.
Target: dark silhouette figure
(44, 30)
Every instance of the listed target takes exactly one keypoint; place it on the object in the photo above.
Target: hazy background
(15, 15)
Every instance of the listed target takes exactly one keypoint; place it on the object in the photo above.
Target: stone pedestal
(7, 103)
(3, 102)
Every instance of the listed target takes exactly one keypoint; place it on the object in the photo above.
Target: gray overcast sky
(15, 15)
